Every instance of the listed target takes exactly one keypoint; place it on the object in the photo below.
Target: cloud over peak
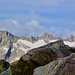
(30, 28)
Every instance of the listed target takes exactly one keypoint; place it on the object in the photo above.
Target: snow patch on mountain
(71, 44)
(26, 45)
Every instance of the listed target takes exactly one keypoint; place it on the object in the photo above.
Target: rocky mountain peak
(6, 43)
(45, 34)
(31, 39)
(6, 36)
(46, 37)
(71, 38)
(5, 33)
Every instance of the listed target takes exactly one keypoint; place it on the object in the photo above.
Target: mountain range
(13, 47)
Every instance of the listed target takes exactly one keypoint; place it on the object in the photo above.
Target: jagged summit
(46, 37)
(5, 32)
(71, 38)
(6, 43)
(32, 39)
(6, 37)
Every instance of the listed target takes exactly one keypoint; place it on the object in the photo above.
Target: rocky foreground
(61, 66)
(41, 56)
(5, 68)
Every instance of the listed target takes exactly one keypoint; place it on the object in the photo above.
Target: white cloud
(34, 28)
(30, 28)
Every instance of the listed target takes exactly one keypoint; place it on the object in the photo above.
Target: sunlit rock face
(49, 38)
(6, 44)
(61, 66)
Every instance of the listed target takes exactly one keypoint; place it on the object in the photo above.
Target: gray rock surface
(70, 39)
(47, 37)
(6, 42)
(61, 66)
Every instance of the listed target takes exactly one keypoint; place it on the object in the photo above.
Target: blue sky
(34, 17)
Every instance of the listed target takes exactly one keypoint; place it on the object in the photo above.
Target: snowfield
(25, 45)
(71, 44)
(28, 44)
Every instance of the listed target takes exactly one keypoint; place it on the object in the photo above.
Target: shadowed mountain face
(39, 57)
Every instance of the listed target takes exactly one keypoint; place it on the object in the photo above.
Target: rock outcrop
(40, 57)
(7, 72)
(61, 66)
(5, 68)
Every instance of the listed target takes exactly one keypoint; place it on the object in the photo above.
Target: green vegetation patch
(2, 68)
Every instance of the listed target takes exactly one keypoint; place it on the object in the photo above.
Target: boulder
(61, 66)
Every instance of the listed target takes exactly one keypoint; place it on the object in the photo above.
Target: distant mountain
(32, 39)
(70, 39)
(47, 37)
(6, 42)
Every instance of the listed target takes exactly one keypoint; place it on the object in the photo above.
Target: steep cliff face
(61, 66)
(6, 42)
(39, 57)
(4, 68)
